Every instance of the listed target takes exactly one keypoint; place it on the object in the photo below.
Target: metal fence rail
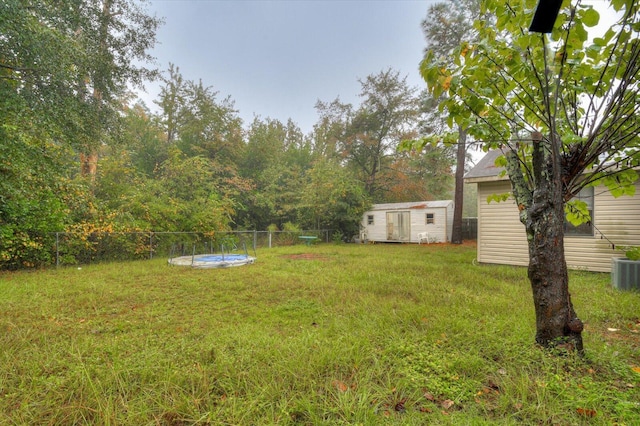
(80, 248)
(76, 248)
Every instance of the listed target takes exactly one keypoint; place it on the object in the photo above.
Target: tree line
(79, 153)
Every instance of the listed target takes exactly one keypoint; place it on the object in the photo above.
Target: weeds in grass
(321, 335)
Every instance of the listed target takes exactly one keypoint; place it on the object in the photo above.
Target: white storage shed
(403, 222)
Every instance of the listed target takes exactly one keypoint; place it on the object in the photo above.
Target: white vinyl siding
(502, 239)
(501, 236)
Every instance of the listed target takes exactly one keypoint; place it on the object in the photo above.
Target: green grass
(375, 334)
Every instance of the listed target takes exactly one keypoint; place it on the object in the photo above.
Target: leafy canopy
(577, 91)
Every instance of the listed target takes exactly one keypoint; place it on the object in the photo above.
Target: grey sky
(277, 58)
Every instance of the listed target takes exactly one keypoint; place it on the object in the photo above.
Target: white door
(398, 226)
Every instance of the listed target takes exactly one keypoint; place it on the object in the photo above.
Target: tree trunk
(89, 158)
(89, 165)
(542, 213)
(461, 154)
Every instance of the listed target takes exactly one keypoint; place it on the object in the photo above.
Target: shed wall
(502, 240)
(440, 231)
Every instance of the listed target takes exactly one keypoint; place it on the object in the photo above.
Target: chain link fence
(77, 248)
(72, 248)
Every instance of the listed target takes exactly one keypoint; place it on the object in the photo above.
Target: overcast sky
(277, 58)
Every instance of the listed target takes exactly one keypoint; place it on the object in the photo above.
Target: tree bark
(461, 154)
(542, 213)
(89, 165)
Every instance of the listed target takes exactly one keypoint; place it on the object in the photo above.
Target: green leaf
(632, 252)
(577, 212)
(591, 17)
(498, 198)
(622, 183)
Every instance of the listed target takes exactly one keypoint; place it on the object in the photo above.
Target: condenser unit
(625, 274)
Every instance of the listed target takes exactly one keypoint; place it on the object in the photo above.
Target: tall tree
(422, 175)
(333, 199)
(209, 127)
(116, 35)
(171, 101)
(446, 26)
(331, 128)
(70, 62)
(49, 69)
(199, 124)
(367, 138)
(565, 110)
(143, 136)
(277, 179)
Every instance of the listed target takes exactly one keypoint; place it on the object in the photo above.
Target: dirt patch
(305, 256)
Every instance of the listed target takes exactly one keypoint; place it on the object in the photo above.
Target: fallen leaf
(447, 403)
(400, 406)
(636, 369)
(518, 406)
(586, 412)
(340, 385)
(613, 330)
(429, 396)
(424, 409)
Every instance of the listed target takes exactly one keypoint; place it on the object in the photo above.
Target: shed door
(398, 226)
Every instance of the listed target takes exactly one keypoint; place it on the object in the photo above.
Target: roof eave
(481, 179)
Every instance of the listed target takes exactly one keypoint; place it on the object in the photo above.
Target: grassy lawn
(321, 335)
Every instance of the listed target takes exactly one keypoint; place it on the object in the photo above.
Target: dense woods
(79, 152)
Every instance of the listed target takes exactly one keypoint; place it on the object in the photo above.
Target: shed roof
(412, 205)
(486, 169)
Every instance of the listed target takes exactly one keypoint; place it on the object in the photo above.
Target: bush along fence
(75, 248)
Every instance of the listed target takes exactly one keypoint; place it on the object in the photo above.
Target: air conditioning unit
(625, 274)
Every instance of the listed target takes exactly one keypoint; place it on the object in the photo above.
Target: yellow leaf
(447, 83)
(636, 369)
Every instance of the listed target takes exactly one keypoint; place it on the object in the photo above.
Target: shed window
(585, 229)
(370, 219)
(430, 218)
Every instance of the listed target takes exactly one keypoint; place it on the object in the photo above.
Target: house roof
(412, 205)
(486, 169)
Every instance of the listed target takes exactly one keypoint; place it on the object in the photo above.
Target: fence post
(57, 251)
(150, 245)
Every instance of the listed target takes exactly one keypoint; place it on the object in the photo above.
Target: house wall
(440, 231)
(502, 240)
